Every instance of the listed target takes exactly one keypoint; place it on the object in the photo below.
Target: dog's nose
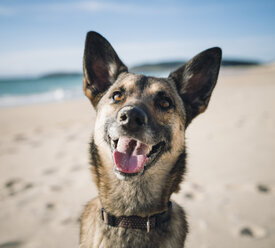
(132, 118)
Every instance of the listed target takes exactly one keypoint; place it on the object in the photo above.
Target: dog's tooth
(113, 144)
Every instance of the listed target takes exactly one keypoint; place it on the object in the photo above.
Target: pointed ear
(101, 66)
(196, 80)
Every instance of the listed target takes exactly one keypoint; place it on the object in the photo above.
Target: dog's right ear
(101, 66)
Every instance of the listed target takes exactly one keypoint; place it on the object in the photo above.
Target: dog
(138, 146)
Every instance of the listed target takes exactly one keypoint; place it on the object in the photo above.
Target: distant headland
(157, 67)
(172, 65)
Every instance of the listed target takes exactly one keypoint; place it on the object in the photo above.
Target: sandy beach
(228, 192)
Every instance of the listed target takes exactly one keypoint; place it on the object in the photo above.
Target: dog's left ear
(101, 66)
(196, 80)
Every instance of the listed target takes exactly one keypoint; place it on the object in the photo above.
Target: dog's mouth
(132, 156)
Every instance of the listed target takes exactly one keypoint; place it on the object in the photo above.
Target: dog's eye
(165, 103)
(118, 96)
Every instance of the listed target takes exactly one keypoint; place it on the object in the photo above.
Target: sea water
(39, 90)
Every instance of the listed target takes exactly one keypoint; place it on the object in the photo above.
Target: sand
(228, 192)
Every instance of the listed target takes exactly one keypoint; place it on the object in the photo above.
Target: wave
(56, 95)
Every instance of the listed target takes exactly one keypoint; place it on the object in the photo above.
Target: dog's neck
(133, 197)
(143, 195)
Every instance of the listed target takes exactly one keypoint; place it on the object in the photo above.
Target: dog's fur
(169, 105)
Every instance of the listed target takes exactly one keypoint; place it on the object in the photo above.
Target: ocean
(14, 92)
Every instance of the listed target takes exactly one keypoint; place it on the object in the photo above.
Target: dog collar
(136, 222)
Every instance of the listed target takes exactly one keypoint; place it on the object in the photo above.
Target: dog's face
(141, 120)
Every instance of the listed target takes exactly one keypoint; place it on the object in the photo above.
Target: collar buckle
(148, 224)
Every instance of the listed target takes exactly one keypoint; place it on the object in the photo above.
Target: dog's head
(141, 121)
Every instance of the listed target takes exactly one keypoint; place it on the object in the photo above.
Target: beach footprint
(50, 206)
(262, 188)
(252, 231)
(256, 188)
(20, 137)
(55, 188)
(12, 186)
(193, 191)
(189, 195)
(16, 185)
(11, 244)
(49, 171)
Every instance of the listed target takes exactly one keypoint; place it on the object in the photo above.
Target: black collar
(137, 222)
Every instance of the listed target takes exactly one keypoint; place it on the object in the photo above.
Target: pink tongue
(130, 155)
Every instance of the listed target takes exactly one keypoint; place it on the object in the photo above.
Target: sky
(39, 37)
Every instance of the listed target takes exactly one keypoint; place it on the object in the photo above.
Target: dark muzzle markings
(131, 154)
